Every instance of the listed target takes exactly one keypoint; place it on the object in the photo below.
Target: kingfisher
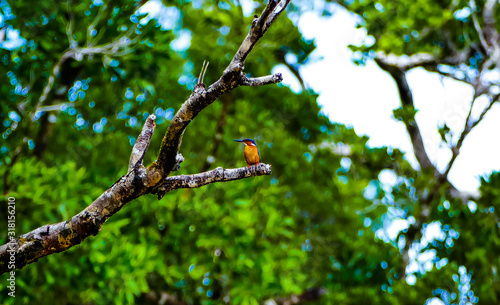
(251, 152)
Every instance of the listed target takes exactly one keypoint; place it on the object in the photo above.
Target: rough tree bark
(141, 180)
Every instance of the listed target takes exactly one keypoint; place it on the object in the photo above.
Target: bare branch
(491, 35)
(490, 31)
(311, 294)
(200, 98)
(59, 237)
(432, 63)
(92, 26)
(216, 175)
(295, 72)
(395, 67)
(259, 27)
(69, 29)
(204, 69)
(406, 97)
(425, 60)
(263, 80)
(406, 63)
(142, 143)
(110, 48)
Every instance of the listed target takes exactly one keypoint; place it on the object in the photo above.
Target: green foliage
(444, 132)
(318, 221)
(405, 114)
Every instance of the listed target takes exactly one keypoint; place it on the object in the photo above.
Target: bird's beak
(238, 140)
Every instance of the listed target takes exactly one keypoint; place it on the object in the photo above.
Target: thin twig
(477, 26)
(142, 143)
(204, 68)
(467, 129)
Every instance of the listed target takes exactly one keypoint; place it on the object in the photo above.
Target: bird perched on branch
(251, 152)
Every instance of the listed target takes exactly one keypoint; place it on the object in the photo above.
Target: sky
(365, 96)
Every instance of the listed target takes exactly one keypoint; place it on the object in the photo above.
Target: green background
(311, 224)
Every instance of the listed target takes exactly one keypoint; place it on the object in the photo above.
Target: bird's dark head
(248, 142)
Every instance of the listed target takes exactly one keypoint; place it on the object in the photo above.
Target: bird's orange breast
(251, 154)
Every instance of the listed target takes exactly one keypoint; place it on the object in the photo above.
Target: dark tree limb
(296, 73)
(138, 181)
(488, 34)
(431, 62)
(477, 26)
(406, 97)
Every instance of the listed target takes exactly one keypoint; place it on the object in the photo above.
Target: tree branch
(311, 294)
(396, 67)
(216, 175)
(59, 237)
(111, 48)
(142, 143)
(263, 80)
(490, 32)
(295, 72)
(406, 97)
(430, 62)
(232, 77)
(50, 82)
(6, 175)
(477, 26)
(139, 181)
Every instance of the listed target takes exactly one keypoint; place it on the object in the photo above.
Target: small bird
(251, 152)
